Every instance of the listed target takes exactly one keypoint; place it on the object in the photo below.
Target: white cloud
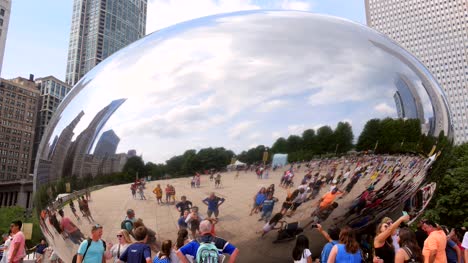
(296, 5)
(296, 129)
(240, 129)
(384, 108)
(276, 135)
(272, 105)
(164, 13)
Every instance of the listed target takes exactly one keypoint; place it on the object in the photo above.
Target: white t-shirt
(305, 255)
(465, 241)
(115, 251)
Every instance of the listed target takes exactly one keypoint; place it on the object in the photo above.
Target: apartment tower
(436, 32)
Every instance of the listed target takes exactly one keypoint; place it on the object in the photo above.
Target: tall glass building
(100, 28)
(436, 32)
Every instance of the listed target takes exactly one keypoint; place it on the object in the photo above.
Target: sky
(38, 33)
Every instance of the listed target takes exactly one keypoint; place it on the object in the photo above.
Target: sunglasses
(119, 236)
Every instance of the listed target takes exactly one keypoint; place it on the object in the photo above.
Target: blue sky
(38, 32)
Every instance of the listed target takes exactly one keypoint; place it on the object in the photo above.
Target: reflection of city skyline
(67, 157)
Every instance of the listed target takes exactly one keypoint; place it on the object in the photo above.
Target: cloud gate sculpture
(237, 81)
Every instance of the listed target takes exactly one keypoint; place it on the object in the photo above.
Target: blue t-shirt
(136, 253)
(223, 246)
(326, 250)
(40, 248)
(260, 198)
(344, 257)
(181, 222)
(268, 205)
(158, 260)
(95, 251)
(451, 253)
(213, 203)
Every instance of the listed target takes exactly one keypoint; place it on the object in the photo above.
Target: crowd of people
(324, 184)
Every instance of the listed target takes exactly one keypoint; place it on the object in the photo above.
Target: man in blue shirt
(213, 202)
(223, 246)
(138, 252)
(332, 237)
(95, 251)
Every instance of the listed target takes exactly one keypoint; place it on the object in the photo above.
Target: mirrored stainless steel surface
(235, 81)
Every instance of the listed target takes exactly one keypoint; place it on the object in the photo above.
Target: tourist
(301, 252)
(332, 236)
(267, 207)
(118, 249)
(163, 256)
(39, 250)
(182, 238)
(383, 243)
(85, 210)
(181, 221)
(193, 221)
(141, 188)
(183, 205)
(453, 252)
(258, 200)
(158, 192)
(16, 251)
(271, 190)
(464, 245)
(172, 193)
(434, 246)
(133, 188)
(138, 252)
(6, 245)
(218, 180)
(271, 225)
(195, 249)
(73, 209)
(150, 234)
(409, 250)
(127, 223)
(298, 199)
(213, 202)
(197, 180)
(72, 231)
(347, 251)
(168, 193)
(92, 249)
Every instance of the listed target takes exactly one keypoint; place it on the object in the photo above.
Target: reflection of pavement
(109, 205)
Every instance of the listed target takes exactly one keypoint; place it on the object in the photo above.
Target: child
(271, 225)
(138, 250)
(258, 200)
(267, 207)
(158, 192)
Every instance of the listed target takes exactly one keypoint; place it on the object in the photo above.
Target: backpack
(90, 241)
(410, 254)
(207, 252)
(123, 225)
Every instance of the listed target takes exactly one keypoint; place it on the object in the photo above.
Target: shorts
(210, 212)
(286, 205)
(295, 206)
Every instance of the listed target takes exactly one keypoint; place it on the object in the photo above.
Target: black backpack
(124, 223)
(90, 241)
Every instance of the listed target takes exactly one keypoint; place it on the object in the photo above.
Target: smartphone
(405, 213)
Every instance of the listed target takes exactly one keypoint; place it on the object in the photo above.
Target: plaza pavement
(109, 205)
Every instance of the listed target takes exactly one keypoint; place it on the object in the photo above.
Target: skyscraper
(100, 28)
(436, 32)
(5, 8)
(52, 93)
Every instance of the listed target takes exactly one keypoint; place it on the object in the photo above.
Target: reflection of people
(39, 249)
(68, 227)
(183, 205)
(213, 202)
(158, 192)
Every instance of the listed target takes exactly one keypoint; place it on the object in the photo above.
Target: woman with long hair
(182, 238)
(301, 252)
(163, 256)
(116, 250)
(409, 250)
(271, 225)
(347, 251)
(383, 243)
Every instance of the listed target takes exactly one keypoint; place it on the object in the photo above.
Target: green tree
(280, 146)
(325, 140)
(369, 136)
(310, 142)
(343, 136)
(134, 165)
(294, 143)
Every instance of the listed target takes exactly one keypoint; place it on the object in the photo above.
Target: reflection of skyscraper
(131, 153)
(58, 153)
(107, 144)
(399, 105)
(84, 142)
(408, 99)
